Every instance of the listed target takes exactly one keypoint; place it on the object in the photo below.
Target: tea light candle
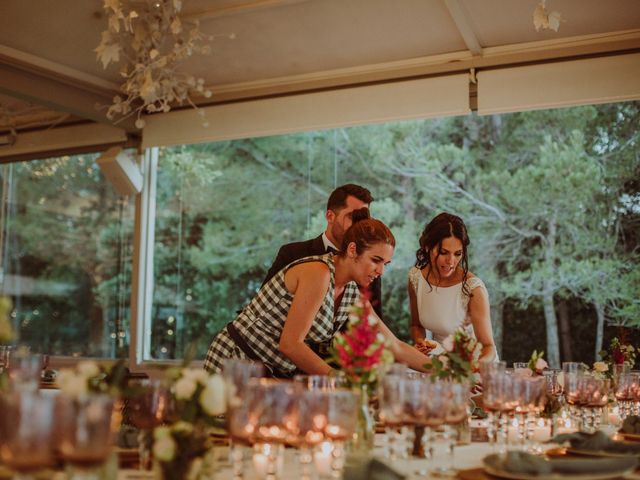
(322, 459)
(267, 460)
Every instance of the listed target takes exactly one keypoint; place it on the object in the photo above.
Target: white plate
(556, 476)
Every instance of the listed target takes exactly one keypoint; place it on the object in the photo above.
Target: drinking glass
(391, 395)
(627, 393)
(594, 395)
(456, 413)
(320, 382)
(491, 373)
(342, 418)
(521, 369)
(415, 411)
(572, 372)
(149, 406)
(312, 406)
(237, 373)
(85, 432)
(25, 370)
(26, 432)
(276, 415)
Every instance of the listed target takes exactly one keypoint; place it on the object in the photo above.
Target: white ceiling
(290, 46)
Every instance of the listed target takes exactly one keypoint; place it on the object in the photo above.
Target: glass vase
(365, 428)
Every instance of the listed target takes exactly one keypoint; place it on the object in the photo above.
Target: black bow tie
(332, 250)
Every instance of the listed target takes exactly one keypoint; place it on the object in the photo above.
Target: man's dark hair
(338, 198)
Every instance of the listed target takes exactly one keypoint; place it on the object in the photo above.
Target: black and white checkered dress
(261, 322)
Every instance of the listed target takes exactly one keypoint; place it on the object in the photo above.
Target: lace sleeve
(475, 282)
(414, 276)
(472, 283)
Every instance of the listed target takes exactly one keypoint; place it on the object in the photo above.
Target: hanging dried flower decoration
(151, 40)
(542, 19)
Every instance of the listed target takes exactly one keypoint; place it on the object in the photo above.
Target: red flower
(618, 357)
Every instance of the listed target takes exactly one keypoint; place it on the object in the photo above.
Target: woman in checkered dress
(307, 302)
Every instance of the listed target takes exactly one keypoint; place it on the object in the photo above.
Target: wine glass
(491, 373)
(25, 369)
(276, 415)
(26, 432)
(391, 395)
(456, 413)
(237, 373)
(342, 418)
(85, 432)
(149, 406)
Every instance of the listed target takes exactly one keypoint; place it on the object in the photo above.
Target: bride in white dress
(443, 294)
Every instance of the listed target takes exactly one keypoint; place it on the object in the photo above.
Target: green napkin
(597, 442)
(631, 424)
(525, 463)
(364, 467)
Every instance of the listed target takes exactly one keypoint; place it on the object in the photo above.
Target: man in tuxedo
(342, 201)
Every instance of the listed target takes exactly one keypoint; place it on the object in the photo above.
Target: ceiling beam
(492, 57)
(461, 19)
(58, 95)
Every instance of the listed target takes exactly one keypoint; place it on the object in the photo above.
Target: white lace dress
(442, 310)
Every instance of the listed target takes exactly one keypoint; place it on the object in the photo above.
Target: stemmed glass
(149, 406)
(391, 393)
(276, 415)
(627, 394)
(26, 432)
(456, 413)
(529, 391)
(85, 432)
(491, 373)
(594, 395)
(25, 369)
(342, 417)
(237, 373)
(416, 410)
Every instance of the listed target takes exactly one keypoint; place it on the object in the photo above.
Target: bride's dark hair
(365, 232)
(443, 226)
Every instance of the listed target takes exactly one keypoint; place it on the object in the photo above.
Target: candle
(322, 458)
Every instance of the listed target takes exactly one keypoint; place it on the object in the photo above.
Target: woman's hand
(425, 346)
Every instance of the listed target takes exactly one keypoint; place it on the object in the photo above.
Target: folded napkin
(597, 442)
(525, 463)
(364, 467)
(631, 424)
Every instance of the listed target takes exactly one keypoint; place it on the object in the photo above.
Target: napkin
(364, 467)
(597, 442)
(631, 424)
(525, 463)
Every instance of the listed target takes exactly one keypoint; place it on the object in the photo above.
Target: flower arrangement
(153, 40)
(536, 363)
(180, 447)
(619, 353)
(362, 349)
(90, 377)
(460, 360)
(6, 331)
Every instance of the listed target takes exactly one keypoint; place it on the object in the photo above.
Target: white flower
(185, 388)
(540, 365)
(182, 427)
(445, 361)
(164, 448)
(196, 374)
(447, 343)
(71, 384)
(600, 367)
(212, 398)
(161, 432)
(88, 369)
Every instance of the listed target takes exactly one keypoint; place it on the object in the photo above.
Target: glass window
(550, 199)
(66, 251)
